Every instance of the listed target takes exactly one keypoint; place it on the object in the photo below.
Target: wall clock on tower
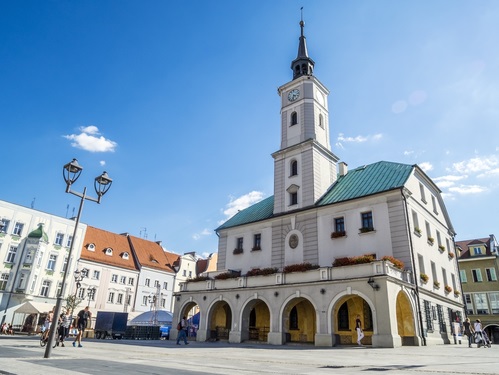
(293, 95)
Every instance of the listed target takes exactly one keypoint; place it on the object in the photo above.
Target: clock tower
(304, 167)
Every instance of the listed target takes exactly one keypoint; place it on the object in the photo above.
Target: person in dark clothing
(468, 331)
(83, 317)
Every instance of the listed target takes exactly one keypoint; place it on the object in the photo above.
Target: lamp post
(79, 276)
(71, 172)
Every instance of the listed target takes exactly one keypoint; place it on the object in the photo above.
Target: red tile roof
(151, 254)
(103, 240)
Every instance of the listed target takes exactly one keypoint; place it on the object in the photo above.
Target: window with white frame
(18, 229)
(59, 238)
(123, 280)
(69, 241)
(144, 300)
(147, 282)
(491, 274)
(22, 282)
(444, 276)
(434, 204)
(321, 121)
(434, 271)
(44, 292)
(29, 256)
(477, 275)
(156, 283)
(4, 278)
(11, 255)
(439, 239)
(110, 297)
(453, 278)
(421, 264)
(33, 283)
(52, 262)
(163, 302)
(165, 285)
(119, 300)
(114, 278)
(4, 225)
(462, 276)
(367, 220)
(39, 259)
(481, 305)
(59, 289)
(64, 264)
(421, 191)
(477, 250)
(293, 168)
(494, 302)
(96, 275)
(130, 281)
(190, 273)
(468, 303)
(415, 222)
(81, 293)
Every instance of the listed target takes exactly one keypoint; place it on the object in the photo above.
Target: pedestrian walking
(83, 317)
(360, 333)
(468, 331)
(64, 323)
(182, 331)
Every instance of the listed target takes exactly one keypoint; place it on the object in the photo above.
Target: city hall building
(330, 245)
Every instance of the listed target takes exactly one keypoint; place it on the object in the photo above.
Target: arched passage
(345, 313)
(299, 321)
(219, 321)
(191, 312)
(405, 320)
(255, 321)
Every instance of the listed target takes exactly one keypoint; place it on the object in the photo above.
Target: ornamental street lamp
(79, 276)
(71, 172)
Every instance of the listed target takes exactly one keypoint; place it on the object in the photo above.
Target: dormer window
(125, 255)
(91, 247)
(294, 118)
(108, 251)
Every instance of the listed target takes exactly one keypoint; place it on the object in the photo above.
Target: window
(33, 284)
(421, 263)
(64, 264)
(52, 262)
(59, 289)
(114, 278)
(434, 271)
(147, 282)
(477, 251)
(163, 302)
(4, 278)
(69, 241)
(130, 281)
(4, 225)
(190, 274)
(428, 230)
(239, 243)
(144, 300)
(184, 273)
(462, 275)
(481, 306)
(343, 318)
(294, 118)
(469, 305)
(22, 280)
(321, 121)
(367, 221)
(11, 256)
(421, 190)
(110, 298)
(293, 168)
(59, 238)
(91, 247)
(119, 300)
(39, 259)
(96, 275)
(439, 239)
(415, 222)
(165, 285)
(444, 275)
(156, 283)
(339, 225)
(477, 275)
(44, 292)
(257, 241)
(453, 278)
(122, 279)
(109, 251)
(18, 229)
(125, 256)
(434, 204)
(81, 293)
(29, 256)
(293, 198)
(491, 274)
(494, 302)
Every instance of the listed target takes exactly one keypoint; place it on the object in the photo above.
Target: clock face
(293, 95)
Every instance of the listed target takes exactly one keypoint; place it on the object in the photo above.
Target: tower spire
(302, 65)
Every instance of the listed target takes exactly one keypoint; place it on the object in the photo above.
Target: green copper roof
(357, 183)
(39, 233)
(367, 180)
(259, 211)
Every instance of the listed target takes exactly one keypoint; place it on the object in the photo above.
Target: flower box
(237, 251)
(441, 248)
(366, 229)
(448, 289)
(338, 234)
(424, 277)
(417, 231)
(436, 284)
(431, 240)
(457, 293)
(451, 255)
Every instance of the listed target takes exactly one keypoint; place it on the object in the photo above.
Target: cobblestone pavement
(23, 355)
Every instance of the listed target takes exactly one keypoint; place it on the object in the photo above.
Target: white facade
(154, 290)
(32, 268)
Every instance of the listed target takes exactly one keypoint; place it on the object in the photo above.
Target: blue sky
(177, 101)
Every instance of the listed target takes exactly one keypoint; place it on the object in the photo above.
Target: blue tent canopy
(148, 318)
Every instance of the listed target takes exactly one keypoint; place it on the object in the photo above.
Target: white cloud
(426, 166)
(237, 204)
(467, 189)
(205, 232)
(478, 164)
(399, 106)
(89, 140)
(102, 163)
(408, 153)
(448, 181)
(358, 139)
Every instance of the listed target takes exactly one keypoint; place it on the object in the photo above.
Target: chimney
(342, 168)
